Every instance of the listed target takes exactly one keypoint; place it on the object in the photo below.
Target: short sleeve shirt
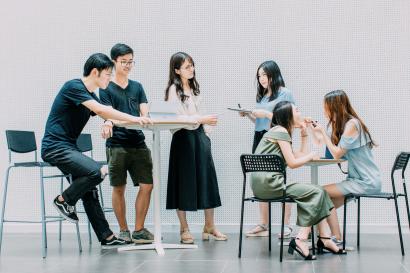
(68, 117)
(126, 100)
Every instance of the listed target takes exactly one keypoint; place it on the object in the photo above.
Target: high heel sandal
(321, 246)
(293, 246)
(210, 232)
(186, 236)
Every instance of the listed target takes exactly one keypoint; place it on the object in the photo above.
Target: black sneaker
(114, 242)
(65, 210)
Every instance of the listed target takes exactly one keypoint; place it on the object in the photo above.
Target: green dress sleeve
(275, 134)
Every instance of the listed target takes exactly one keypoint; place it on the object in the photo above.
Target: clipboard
(240, 110)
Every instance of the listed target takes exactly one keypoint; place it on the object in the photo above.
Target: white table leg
(157, 184)
(157, 244)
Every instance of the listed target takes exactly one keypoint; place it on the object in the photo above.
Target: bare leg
(182, 219)
(210, 225)
(264, 212)
(118, 204)
(303, 234)
(335, 194)
(338, 199)
(142, 204)
(186, 236)
(288, 212)
(323, 232)
(209, 218)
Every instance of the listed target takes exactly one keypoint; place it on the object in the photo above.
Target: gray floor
(21, 253)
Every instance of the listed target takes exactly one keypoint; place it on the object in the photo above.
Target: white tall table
(314, 167)
(156, 129)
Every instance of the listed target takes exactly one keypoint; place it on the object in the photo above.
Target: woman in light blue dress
(350, 138)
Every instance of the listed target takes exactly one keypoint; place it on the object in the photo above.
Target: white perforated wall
(359, 46)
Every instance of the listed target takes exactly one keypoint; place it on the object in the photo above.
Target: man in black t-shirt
(126, 149)
(71, 110)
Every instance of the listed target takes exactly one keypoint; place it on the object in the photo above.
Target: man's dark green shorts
(137, 161)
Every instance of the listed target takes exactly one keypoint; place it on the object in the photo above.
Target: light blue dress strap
(359, 140)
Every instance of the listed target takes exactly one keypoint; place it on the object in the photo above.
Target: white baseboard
(196, 228)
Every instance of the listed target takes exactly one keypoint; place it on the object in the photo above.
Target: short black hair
(120, 50)
(99, 61)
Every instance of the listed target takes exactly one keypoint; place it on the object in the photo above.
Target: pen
(239, 105)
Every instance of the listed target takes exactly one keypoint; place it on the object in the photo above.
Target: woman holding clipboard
(270, 90)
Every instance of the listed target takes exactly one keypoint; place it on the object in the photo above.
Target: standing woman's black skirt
(257, 137)
(192, 182)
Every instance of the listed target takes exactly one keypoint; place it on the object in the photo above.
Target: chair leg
(43, 216)
(313, 240)
(241, 229)
(60, 223)
(3, 207)
(270, 226)
(80, 247)
(398, 225)
(358, 222)
(407, 203)
(282, 227)
(344, 222)
(101, 197)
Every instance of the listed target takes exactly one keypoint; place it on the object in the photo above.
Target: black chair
(84, 144)
(399, 164)
(25, 142)
(265, 163)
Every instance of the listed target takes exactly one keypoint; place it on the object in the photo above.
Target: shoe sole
(264, 233)
(285, 236)
(142, 241)
(64, 216)
(112, 247)
(187, 242)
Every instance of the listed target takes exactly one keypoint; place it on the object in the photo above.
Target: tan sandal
(213, 232)
(260, 230)
(186, 236)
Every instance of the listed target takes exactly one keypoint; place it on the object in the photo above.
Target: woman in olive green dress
(313, 203)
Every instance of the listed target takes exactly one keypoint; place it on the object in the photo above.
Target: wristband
(112, 123)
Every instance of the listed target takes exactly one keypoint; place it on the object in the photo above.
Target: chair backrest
(21, 141)
(262, 163)
(84, 143)
(401, 162)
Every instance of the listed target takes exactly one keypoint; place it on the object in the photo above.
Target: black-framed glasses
(127, 63)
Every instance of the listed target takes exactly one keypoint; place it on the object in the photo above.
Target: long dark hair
(274, 77)
(340, 111)
(174, 79)
(283, 115)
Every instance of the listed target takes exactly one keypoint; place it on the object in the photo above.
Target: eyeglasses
(125, 63)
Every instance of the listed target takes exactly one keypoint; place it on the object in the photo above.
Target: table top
(158, 125)
(324, 161)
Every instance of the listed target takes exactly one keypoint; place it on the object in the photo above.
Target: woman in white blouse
(192, 181)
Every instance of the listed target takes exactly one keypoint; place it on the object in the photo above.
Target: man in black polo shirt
(126, 149)
(71, 110)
